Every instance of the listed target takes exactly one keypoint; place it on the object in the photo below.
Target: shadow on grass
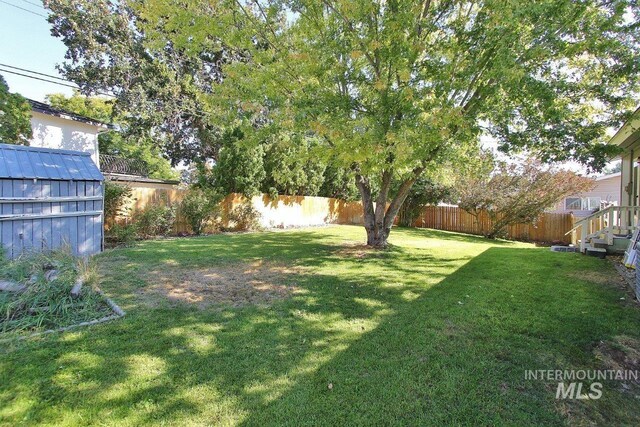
(445, 341)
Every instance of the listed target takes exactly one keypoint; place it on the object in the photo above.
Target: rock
(77, 288)
(9, 286)
(51, 275)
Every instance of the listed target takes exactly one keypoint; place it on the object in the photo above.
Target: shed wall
(37, 215)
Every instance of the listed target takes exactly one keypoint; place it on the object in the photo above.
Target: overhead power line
(66, 83)
(38, 78)
(34, 4)
(34, 72)
(23, 9)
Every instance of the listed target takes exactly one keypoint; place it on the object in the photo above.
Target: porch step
(599, 243)
(596, 252)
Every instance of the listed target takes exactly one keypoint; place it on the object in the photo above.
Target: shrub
(155, 220)
(122, 235)
(199, 206)
(116, 197)
(245, 217)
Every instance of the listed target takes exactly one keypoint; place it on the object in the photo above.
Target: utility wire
(67, 84)
(38, 78)
(34, 72)
(34, 4)
(23, 9)
(50, 81)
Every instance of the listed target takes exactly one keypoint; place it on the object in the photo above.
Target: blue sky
(26, 42)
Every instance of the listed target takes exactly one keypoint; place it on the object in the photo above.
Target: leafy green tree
(15, 117)
(128, 145)
(516, 193)
(424, 192)
(240, 167)
(338, 183)
(291, 168)
(161, 88)
(392, 89)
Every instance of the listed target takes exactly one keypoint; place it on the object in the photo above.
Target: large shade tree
(395, 88)
(15, 116)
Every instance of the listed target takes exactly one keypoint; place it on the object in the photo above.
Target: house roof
(629, 133)
(19, 161)
(41, 107)
(611, 175)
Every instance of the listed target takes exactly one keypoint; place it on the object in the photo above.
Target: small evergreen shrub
(245, 217)
(199, 207)
(155, 220)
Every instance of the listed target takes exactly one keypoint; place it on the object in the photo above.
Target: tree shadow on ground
(399, 345)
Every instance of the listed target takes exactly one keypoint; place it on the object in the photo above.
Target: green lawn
(437, 330)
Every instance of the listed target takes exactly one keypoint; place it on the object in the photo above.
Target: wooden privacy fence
(300, 211)
(283, 212)
(549, 227)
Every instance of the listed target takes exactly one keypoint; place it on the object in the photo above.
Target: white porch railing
(605, 224)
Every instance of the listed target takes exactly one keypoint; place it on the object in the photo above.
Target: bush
(198, 207)
(116, 197)
(245, 217)
(155, 220)
(124, 235)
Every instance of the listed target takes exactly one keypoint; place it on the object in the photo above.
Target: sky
(26, 42)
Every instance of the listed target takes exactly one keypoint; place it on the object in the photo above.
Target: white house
(605, 193)
(53, 128)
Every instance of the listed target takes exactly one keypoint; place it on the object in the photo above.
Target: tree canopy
(391, 89)
(15, 116)
(117, 142)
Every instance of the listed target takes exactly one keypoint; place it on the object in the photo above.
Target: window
(592, 203)
(573, 203)
(582, 203)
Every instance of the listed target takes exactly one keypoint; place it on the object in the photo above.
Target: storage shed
(49, 199)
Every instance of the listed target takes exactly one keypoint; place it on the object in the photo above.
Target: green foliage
(392, 90)
(293, 166)
(245, 217)
(122, 142)
(116, 198)
(424, 192)
(338, 183)
(44, 304)
(199, 207)
(161, 88)
(155, 220)
(97, 108)
(240, 167)
(122, 234)
(15, 117)
(516, 194)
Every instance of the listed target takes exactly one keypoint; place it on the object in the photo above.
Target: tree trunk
(379, 220)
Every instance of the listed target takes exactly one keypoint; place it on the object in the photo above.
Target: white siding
(57, 132)
(608, 190)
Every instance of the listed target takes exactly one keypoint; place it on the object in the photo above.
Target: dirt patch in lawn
(239, 284)
(358, 251)
(623, 354)
(598, 277)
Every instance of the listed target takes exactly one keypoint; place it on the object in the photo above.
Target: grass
(438, 330)
(46, 304)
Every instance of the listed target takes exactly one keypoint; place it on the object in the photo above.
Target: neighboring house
(53, 128)
(605, 193)
(611, 227)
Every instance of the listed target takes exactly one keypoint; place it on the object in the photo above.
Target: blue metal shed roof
(19, 161)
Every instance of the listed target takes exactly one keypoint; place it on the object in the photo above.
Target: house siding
(607, 189)
(60, 133)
